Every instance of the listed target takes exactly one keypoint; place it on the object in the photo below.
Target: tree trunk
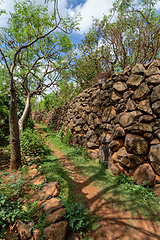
(14, 130)
(25, 113)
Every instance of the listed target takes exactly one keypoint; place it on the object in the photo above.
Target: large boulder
(134, 81)
(57, 231)
(104, 154)
(128, 118)
(143, 175)
(136, 144)
(155, 96)
(141, 92)
(127, 159)
(154, 157)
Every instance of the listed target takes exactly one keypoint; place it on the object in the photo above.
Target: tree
(130, 34)
(22, 43)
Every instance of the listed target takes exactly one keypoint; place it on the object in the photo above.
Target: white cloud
(95, 8)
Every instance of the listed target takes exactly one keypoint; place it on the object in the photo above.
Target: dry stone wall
(118, 120)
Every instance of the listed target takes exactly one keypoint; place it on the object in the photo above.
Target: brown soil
(113, 224)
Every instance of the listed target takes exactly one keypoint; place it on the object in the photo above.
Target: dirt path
(113, 224)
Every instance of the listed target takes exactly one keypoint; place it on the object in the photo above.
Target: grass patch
(119, 191)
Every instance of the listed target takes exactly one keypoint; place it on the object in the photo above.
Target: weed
(33, 144)
(77, 216)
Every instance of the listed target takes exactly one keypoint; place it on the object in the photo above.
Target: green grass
(119, 191)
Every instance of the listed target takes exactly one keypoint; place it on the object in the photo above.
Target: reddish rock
(24, 230)
(154, 156)
(49, 190)
(10, 235)
(51, 205)
(115, 145)
(56, 216)
(116, 169)
(37, 234)
(143, 175)
(118, 132)
(57, 231)
(34, 173)
(39, 180)
(136, 144)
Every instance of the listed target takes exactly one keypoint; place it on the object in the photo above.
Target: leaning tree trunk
(25, 113)
(14, 130)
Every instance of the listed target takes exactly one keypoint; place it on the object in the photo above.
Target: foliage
(65, 91)
(128, 35)
(33, 144)
(77, 216)
(9, 212)
(29, 124)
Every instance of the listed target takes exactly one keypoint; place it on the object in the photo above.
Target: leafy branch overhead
(34, 52)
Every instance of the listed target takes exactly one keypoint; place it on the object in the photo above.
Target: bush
(77, 216)
(33, 144)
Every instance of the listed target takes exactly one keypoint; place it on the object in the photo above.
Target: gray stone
(138, 69)
(153, 80)
(145, 106)
(115, 96)
(155, 96)
(156, 108)
(131, 105)
(92, 145)
(120, 86)
(156, 63)
(139, 128)
(104, 154)
(141, 92)
(127, 95)
(136, 144)
(152, 70)
(105, 138)
(134, 81)
(128, 118)
(108, 114)
(146, 118)
(118, 132)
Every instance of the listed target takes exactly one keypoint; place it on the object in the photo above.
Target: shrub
(77, 216)
(33, 144)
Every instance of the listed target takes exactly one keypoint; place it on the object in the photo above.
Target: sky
(87, 8)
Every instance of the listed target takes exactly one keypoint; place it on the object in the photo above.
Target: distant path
(113, 224)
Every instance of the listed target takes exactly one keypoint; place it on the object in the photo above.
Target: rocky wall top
(118, 120)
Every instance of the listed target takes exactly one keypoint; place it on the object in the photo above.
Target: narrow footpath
(113, 224)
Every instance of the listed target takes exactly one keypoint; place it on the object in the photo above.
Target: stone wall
(118, 120)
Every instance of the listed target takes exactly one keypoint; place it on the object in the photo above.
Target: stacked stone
(118, 120)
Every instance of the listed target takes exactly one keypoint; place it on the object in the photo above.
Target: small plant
(33, 144)
(9, 211)
(67, 136)
(77, 216)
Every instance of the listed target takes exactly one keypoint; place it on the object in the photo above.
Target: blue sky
(87, 8)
